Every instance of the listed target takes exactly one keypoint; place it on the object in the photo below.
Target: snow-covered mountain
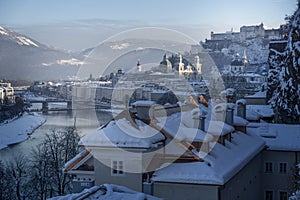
(21, 40)
(23, 58)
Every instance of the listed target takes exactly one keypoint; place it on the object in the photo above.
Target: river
(85, 122)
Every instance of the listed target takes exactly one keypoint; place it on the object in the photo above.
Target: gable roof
(77, 161)
(219, 166)
(121, 133)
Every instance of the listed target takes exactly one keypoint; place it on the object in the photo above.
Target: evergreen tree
(286, 98)
(296, 184)
(275, 65)
(3, 181)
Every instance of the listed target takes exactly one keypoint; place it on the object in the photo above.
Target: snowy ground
(18, 130)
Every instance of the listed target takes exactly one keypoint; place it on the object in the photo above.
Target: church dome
(166, 62)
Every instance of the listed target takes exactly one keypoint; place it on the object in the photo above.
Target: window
(268, 167)
(268, 195)
(117, 167)
(84, 184)
(283, 196)
(282, 167)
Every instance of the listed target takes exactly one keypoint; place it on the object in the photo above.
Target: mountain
(124, 52)
(22, 58)
(76, 35)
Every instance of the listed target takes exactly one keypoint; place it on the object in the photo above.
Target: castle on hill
(221, 40)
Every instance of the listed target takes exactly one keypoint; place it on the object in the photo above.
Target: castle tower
(180, 65)
(198, 65)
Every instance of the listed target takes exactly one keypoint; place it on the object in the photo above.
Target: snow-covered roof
(211, 126)
(284, 137)
(241, 101)
(121, 133)
(259, 94)
(226, 161)
(199, 136)
(143, 103)
(251, 115)
(183, 132)
(218, 127)
(223, 106)
(262, 110)
(181, 125)
(107, 191)
(239, 121)
(77, 160)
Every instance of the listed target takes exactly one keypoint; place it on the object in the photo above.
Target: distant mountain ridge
(22, 58)
(21, 40)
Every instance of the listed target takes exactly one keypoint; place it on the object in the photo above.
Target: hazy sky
(221, 13)
(196, 18)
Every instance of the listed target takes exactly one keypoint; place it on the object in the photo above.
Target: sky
(201, 16)
(218, 12)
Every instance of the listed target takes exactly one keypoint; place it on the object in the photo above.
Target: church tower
(198, 65)
(245, 60)
(169, 64)
(139, 66)
(180, 66)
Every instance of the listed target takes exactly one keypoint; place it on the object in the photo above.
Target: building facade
(7, 95)
(191, 157)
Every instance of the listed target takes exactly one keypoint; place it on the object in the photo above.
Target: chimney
(199, 120)
(230, 95)
(126, 101)
(224, 112)
(144, 109)
(241, 108)
(220, 112)
(229, 114)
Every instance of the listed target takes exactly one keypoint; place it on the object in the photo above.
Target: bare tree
(40, 179)
(17, 177)
(59, 147)
(40, 176)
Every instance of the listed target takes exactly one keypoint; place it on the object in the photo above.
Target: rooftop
(283, 137)
(107, 191)
(257, 95)
(219, 166)
(122, 133)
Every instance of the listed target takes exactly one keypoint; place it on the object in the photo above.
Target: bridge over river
(79, 104)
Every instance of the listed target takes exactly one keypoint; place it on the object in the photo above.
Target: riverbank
(18, 130)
